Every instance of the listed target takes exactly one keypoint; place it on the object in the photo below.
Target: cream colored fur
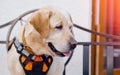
(40, 29)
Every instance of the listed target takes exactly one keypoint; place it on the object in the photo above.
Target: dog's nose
(73, 44)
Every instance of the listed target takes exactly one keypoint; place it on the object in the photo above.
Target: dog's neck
(25, 44)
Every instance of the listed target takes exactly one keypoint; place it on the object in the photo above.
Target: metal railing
(109, 47)
(86, 45)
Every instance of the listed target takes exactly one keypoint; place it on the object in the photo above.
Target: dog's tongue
(66, 53)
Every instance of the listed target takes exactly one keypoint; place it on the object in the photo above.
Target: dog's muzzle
(62, 54)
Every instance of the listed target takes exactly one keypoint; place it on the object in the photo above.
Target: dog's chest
(57, 66)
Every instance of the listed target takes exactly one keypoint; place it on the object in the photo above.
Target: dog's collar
(55, 50)
(21, 49)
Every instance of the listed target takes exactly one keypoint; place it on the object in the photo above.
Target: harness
(32, 64)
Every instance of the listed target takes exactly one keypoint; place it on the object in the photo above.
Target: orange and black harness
(32, 64)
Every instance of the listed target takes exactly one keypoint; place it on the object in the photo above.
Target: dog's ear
(40, 21)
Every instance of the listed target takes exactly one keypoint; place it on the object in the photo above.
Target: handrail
(3, 42)
(7, 24)
(97, 33)
(99, 43)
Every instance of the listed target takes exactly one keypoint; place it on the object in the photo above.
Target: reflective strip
(18, 45)
(25, 53)
(21, 49)
(33, 57)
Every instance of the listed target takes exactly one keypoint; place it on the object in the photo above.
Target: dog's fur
(45, 25)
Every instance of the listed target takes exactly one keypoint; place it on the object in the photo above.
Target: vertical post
(85, 59)
(109, 29)
(109, 50)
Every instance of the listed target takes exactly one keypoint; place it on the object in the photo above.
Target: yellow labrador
(47, 25)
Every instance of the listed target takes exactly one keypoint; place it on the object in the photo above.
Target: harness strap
(10, 44)
(18, 46)
(47, 60)
(39, 66)
(27, 60)
(32, 64)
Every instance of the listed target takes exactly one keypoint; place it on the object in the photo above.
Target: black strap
(20, 48)
(10, 44)
(27, 59)
(46, 60)
(18, 45)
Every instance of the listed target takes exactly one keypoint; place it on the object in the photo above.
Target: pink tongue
(66, 53)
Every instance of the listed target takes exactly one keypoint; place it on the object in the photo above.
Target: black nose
(73, 46)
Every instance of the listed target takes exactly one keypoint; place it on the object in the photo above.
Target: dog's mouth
(67, 53)
(62, 54)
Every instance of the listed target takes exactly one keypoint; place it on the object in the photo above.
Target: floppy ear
(40, 21)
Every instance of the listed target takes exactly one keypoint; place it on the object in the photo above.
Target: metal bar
(97, 33)
(7, 24)
(2, 42)
(99, 43)
(85, 59)
(109, 50)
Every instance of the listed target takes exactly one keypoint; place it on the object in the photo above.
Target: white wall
(80, 11)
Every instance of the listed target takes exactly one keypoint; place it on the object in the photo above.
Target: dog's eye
(59, 27)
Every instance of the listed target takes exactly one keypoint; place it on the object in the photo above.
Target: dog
(48, 24)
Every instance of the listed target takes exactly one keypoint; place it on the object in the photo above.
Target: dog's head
(51, 25)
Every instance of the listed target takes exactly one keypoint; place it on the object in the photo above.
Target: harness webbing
(33, 64)
(39, 66)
